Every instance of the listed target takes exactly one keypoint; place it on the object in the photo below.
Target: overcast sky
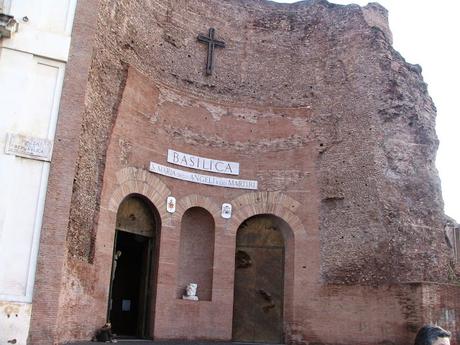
(428, 33)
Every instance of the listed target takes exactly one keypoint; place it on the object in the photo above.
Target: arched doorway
(259, 280)
(132, 286)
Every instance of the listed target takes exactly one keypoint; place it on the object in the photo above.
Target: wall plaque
(226, 211)
(202, 163)
(171, 204)
(29, 147)
(203, 179)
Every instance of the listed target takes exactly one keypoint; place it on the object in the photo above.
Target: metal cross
(212, 43)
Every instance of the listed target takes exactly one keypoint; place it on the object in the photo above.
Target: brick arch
(175, 232)
(194, 200)
(285, 208)
(127, 181)
(275, 203)
(133, 180)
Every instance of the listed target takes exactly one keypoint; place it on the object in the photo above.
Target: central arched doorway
(132, 287)
(259, 281)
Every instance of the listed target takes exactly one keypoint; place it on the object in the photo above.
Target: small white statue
(190, 292)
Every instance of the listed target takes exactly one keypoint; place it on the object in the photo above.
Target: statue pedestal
(190, 298)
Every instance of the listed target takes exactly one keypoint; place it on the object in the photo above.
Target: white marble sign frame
(171, 204)
(202, 163)
(226, 212)
(29, 147)
(202, 179)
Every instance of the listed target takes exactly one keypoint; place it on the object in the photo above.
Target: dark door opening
(134, 268)
(259, 280)
(129, 304)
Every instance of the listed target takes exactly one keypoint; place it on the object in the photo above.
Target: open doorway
(132, 285)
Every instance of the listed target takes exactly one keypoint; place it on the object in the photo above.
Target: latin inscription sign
(28, 147)
(201, 163)
(203, 179)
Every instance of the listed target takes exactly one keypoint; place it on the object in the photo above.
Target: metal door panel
(259, 276)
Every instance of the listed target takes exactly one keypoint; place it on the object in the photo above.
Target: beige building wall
(32, 64)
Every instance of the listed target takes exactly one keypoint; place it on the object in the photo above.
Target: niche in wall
(196, 254)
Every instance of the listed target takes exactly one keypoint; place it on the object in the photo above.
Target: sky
(427, 33)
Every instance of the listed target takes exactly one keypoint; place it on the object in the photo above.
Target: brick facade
(314, 104)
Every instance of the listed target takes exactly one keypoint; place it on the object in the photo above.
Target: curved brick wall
(341, 103)
(314, 103)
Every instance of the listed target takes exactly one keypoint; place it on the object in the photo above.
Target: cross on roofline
(212, 43)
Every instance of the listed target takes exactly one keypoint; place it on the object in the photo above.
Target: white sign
(171, 204)
(28, 147)
(201, 163)
(226, 211)
(203, 179)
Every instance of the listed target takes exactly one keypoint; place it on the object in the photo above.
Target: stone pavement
(150, 342)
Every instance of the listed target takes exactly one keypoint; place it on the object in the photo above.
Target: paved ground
(119, 342)
(175, 342)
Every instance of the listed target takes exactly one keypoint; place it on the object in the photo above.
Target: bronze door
(259, 272)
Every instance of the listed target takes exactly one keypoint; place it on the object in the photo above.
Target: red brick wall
(441, 306)
(53, 245)
(196, 253)
(363, 314)
(315, 105)
(361, 109)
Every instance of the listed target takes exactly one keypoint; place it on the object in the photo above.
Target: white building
(32, 64)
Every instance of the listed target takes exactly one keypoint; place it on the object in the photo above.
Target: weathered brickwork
(53, 245)
(355, 98)
(315, 104)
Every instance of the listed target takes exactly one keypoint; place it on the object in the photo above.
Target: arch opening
(134, 268)
(196, 258)
(260, 279)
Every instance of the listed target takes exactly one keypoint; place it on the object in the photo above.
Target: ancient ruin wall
(372, 120)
